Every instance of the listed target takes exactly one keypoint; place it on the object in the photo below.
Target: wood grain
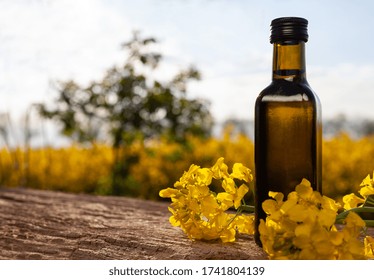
(36, 224)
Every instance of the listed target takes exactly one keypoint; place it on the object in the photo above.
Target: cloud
(344, 89)
(50, 40)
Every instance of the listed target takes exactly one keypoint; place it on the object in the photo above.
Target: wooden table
(36, 224)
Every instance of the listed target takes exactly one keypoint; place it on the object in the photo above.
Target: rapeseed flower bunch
(303, 227)
(203, 214)
(352, 201)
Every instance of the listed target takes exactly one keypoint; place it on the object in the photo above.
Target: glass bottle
(288, 127)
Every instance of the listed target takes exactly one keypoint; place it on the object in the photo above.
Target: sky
(44, 41)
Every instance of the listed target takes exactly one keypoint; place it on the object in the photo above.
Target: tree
(129, 104)
(367, 127)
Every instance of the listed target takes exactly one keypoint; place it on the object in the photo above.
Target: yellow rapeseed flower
(220, 169)
(369, 247)
(302, 227)
(367, 187)
(239, 171)
(200, 212)
(352, 201)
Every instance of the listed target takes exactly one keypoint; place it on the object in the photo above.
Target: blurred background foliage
(158, 163)
(133, 135)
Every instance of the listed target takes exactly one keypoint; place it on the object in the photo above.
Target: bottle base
(258, 240)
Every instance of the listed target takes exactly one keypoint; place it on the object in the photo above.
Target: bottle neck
(289, 61)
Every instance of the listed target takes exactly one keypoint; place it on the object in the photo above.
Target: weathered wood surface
(51, 225)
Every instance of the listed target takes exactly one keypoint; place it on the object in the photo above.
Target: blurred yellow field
(154, 165)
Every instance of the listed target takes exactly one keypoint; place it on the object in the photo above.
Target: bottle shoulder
(283, 90)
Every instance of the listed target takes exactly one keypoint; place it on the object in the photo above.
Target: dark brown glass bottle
(288, 128)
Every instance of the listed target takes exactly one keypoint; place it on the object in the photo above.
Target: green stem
(247, 208)
(340, 218)
(369, 223)
(238, 212)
